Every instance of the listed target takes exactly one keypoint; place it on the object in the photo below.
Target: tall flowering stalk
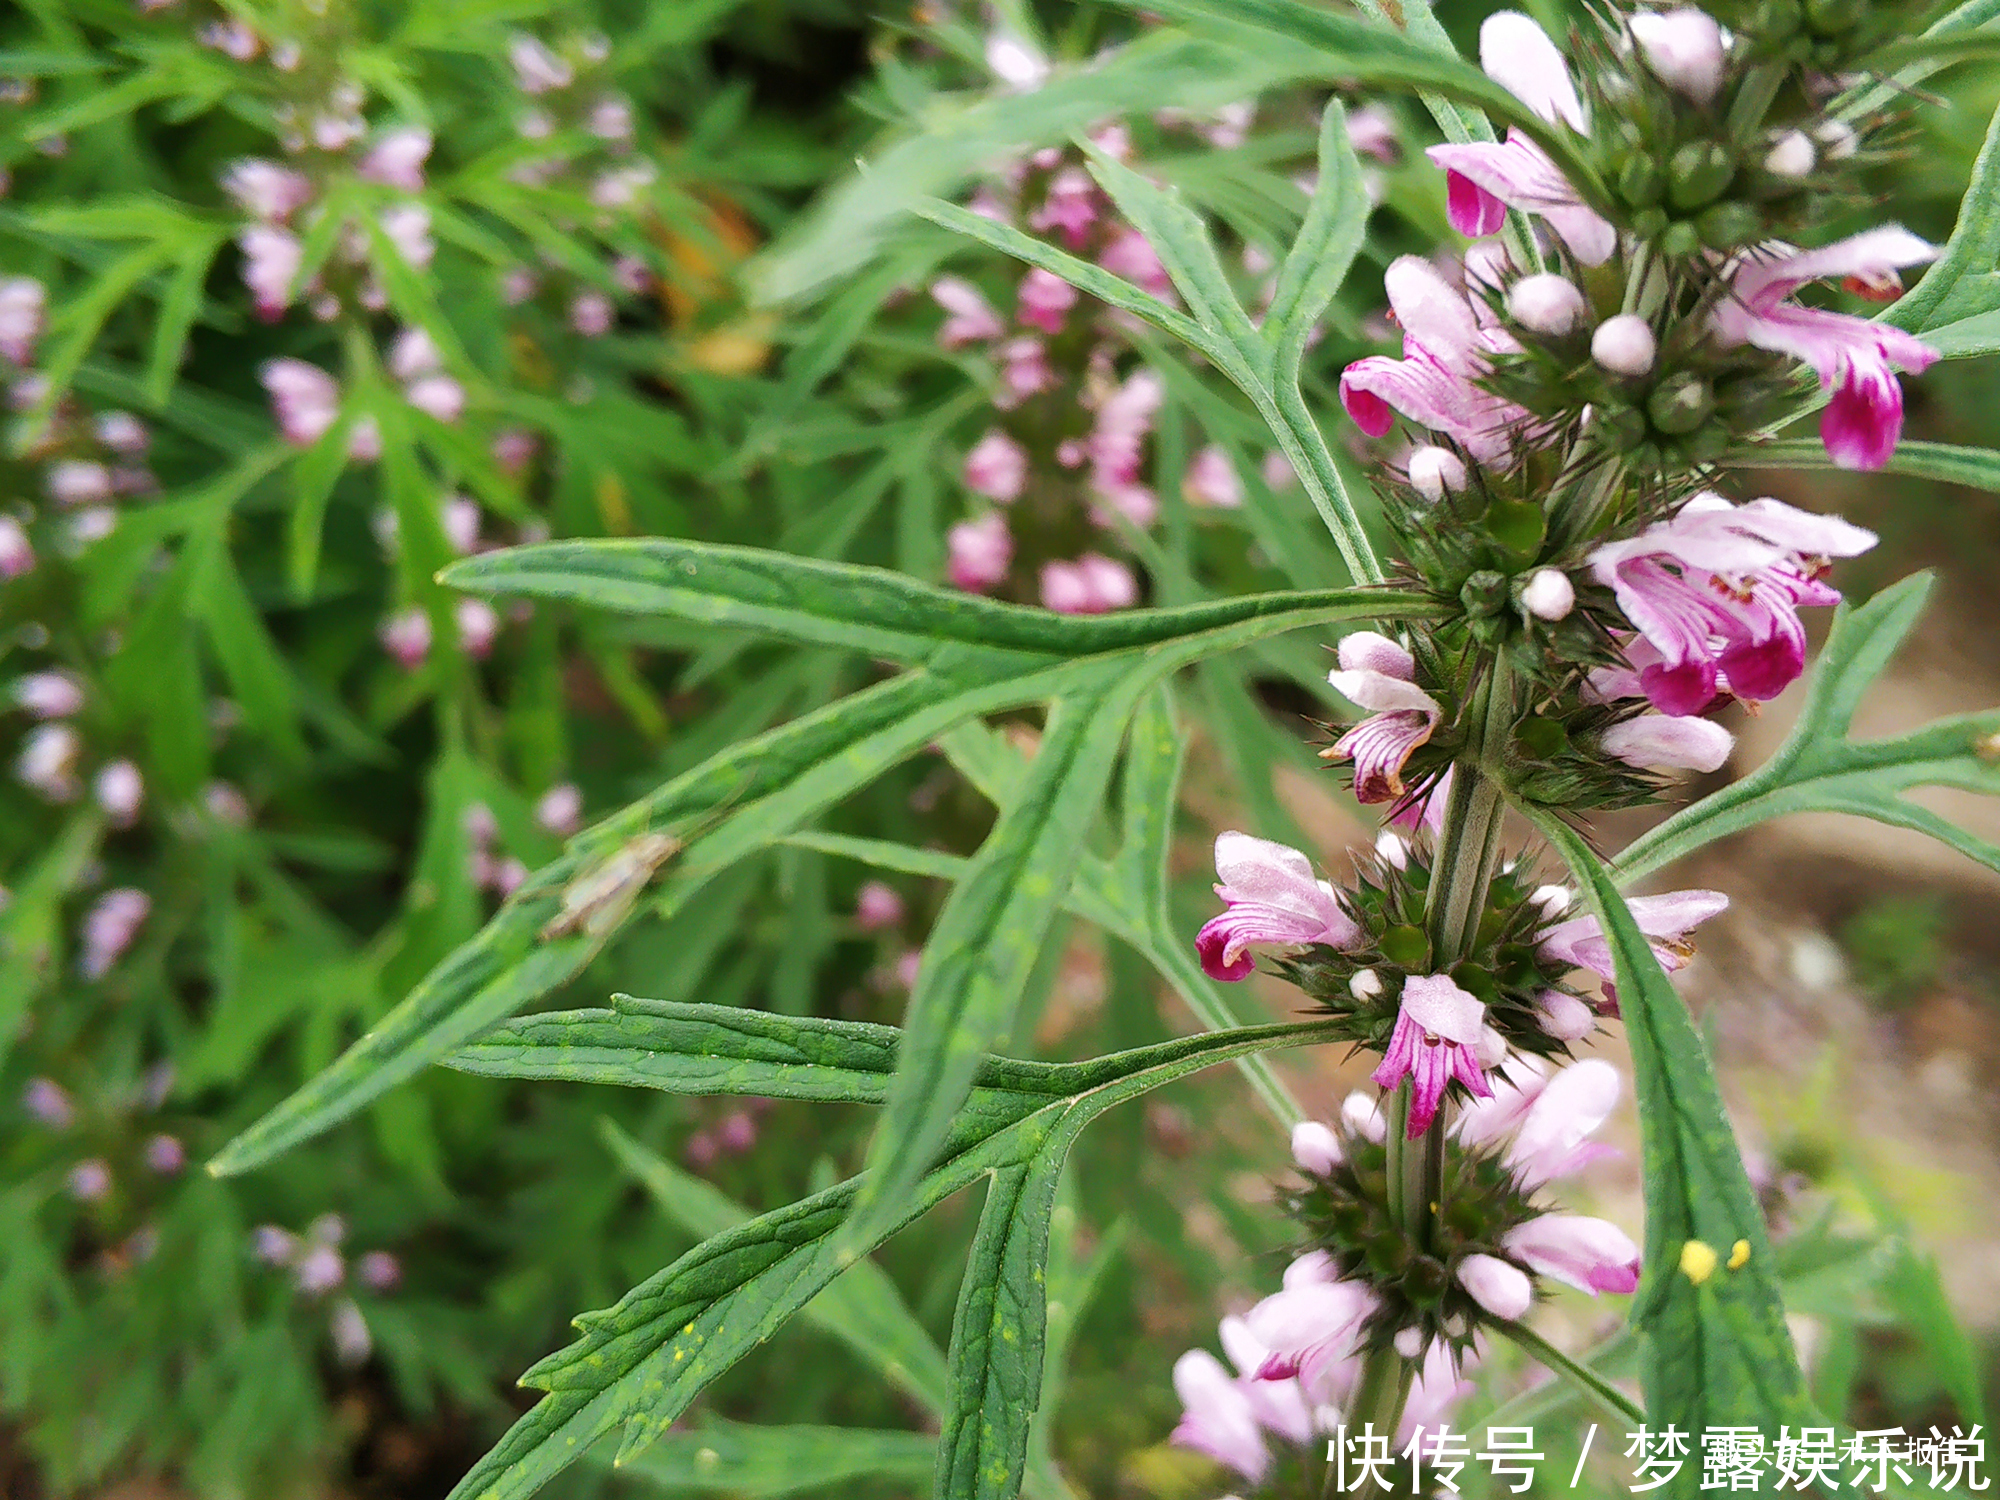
(1558, 407)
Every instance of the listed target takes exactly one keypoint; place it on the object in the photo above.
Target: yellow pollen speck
(1738, 1254)
(1697, 1261)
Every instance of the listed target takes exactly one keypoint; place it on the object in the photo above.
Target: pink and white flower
(1130, 255)
(1717, 589)
(969, 317)
(266, 191)
(1211, 480)
(1091, 585)
(1499, 1286)
(1484, 179)
(1666, 742)
(1044, 300)
(1377, 673)
(979, 552)
(1589, 1254)
(271, 261)
(1665, 920)
(1436, 1040)
(997, 467)
(1855, 358)
(110, 928)
(23, 305)
(397, 159)
(1272, 896)
(1445, 350)
(1311, 1327)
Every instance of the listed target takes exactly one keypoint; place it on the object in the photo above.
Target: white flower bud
(1548, 304)
(1791, 155)
(1684, 48)
(1365, 985)
(1838, 139)
(1552, 900)
(1625, 345)
(1409, 1342)
(1663, 741)
(121, 790)
(1565, 1017)
(1363, 1116)
(1549, 595)
(1315, 1148)
(1434, 472)
(1393, 851)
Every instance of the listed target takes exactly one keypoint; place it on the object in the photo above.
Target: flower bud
(997, 467)
(979, 552)
(1625, 345)
(1547, 304)
(1315, 1148)
(1684, 49)
(1791, 155)
(1044, 300)
(1436, 472)
(560, 809)
(89, 1181)
(1392, 850)
(48, 1104)
(121, 790)
(1211, 480)
(1552, 900)
(165, 1155)
(1564, 1017)
(379, 1271)
(877, 906)
(1549, 595)
(1663, 741)
(478, 623)
(406, 636)
(49, 695)
(1500, 1287)
(1361, 1114)
(17, 553)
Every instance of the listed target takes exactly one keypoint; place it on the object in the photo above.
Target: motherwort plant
(1639, 304)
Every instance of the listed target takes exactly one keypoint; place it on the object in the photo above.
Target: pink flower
(536, 69)
(1684, 48)
(110, 928)
(1271, 896)
(1371, 132)
(408, 227)
(89, 1181)
(1484, 179)
(406, 636)
(379, 1271)
(560, 809)
(478, 623)
(1445, 351)
(610, 118)
(1589, 1254)
(23, 303)
(980, 552)
(997, 467)
(1044, 300)
(17, 553)
(877, 907)
(1500, 1287)
(1718, 588)
(1315, 1148)
(47, 762)
(76, 481)
(1116, 445)
(591, 314)
(266, 191)
(305, 399)
(1310, 1327)
(120, 790)
(397, 159)
(1092, 585)
(1024, 371)
(1662, 741)
(1665, 920)
(1069, 204)
(1131, 255)
(1436, 1040)
(1854, 357)
(1211, 480)
(436, 396)
(414, 353)
(1218, 1418)
(969, 317)
(271, 261)
(47, 1103)
(122, 433)
(1378, 674)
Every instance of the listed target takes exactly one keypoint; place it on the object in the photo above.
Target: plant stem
(1614, 1401)
(1379, 1394)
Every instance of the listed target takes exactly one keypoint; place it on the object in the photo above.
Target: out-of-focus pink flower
(122, 433)
(121, 791)
(591, 314)
(877, 907)
(348, 1327)
(514, 449)
(537, 70)
(232, 39)
(1044, 300)
(737, 1133)
(407, 226)
(305, 399)
(980, 551)
(1371, 132)
(266, 191)
(406, 636)
(49, 695)
(23, 305)
(47, 762)
(560, 809)
(622, 187)
(1069, 205)
(436, 396)
(110, 927)
(17, 553)
(48, 1103)
(632, 275)
(1015, 61)
(271, 261)
(1129, 254)
(969, 317)
(478, 623)
(397, 159)
(1093, 584)
(76, 481)
(1684, 49)
(90, 1181)
(165, 1155)
(1211, 480)
(997, 467)
(379, 1271)
(1024, 371)
(610, 118)
(319, 1269)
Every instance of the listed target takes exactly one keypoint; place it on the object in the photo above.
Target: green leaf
(1715, 1351)
(767, 1463)
(1975, 468)
(639, 1364)
(1819, 769)
(862, 1309)
(1366, 53)
(1317, 264)
(870, 610)
(985, 943)
(1964, 282)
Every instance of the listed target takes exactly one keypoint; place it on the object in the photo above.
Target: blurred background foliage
(268, 772)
